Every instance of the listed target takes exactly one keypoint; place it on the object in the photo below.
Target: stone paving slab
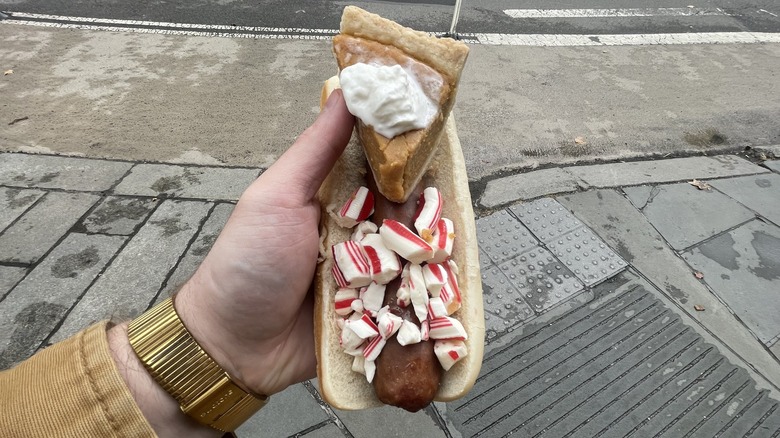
(773, 164)
(130, 283)
(743, 268)
(760, 193)
(528, 186)
(197, 251)
(546, 218)
(623, 364)
(288, 413)
(14, 202)
(118, 215)
(685, 215)
(327, 431)
(388, 421)
(36, 305)
(659, 171)
(186, 181)
(30, 237)
(504, 305)
(502, 237)
(587, 256)
(9, 276)
(68, 173)
(626, 230)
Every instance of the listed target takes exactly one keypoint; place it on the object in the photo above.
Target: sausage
(406, 376)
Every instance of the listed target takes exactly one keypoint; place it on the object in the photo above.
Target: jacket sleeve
(72, 388)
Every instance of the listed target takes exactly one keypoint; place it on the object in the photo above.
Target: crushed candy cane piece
(363, 327)
(409, 333)
(402, 240)
(428, 213)
(452, 286)
(372, 297)
(443, 240)
(359, 364)
(436, 308)
(418, 292)
(449, 352)
(389, 324)
(447, 328)
(370, 367)
(356, 351)
(383, 262)
(435, 277)
(372, 350)
(425, 330)
(349, 339)
(343, 301)
(357, 306)
(453, 267)
(358, 207)
(351, 268)
(363, 229)
(404, 292)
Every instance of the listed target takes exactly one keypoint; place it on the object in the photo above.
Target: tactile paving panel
(546, 218)
(542, 279)
(504, 305)
(502, 236)
(585, 254)
(625, 365)
(484, 259)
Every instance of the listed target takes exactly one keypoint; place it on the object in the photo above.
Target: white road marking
(537, 40)
(767, 12)
(610, 13)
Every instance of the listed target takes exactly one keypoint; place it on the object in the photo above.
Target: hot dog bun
(339, 385)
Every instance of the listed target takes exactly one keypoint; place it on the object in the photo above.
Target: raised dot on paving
(587, 256)
(502, 236)
(505, 307)
(544, 280)
(546, 218)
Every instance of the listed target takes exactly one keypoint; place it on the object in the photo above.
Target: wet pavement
(620, 298)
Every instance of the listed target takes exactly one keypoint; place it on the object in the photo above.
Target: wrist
(160, 409)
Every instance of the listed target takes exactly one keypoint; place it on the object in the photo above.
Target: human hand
(248, 304)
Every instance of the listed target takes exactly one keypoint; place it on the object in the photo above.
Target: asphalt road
(435, 15)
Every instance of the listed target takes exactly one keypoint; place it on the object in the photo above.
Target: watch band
(203, 389)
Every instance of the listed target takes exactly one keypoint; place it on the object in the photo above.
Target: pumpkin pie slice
(398, 163)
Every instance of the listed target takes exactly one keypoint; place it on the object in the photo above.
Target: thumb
(304, 166)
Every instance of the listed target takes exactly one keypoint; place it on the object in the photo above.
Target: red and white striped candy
(442, 241)
(447, 328)
(404, 292)
(343, 300)
(370, 368)
(409, 333)
(435, 277)
(402, 240)
(436, 308)
(418, 292)
(356, 351)
(359, 364)
(372, 350)
(372, 297)
(349, 339)
(363, 229)
(449, 352)
(428, 213)
(425, 330)
(384, 263)
(351, 268)
(358, 207)
(357, 306)
(389, 324)
(453, 303)
(363, 327)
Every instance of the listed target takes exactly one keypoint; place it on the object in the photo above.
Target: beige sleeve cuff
(72, 388)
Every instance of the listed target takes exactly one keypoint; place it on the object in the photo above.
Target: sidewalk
(620, 299)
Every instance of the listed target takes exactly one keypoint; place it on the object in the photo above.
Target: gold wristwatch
(203, 389)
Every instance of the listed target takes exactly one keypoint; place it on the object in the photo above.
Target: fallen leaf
(698, 275)
(701, 185)
(580, 140)
(698, 308)
(8, 72)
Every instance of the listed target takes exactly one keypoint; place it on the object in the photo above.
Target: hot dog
(406, 376)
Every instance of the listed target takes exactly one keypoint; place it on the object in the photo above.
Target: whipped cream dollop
(387, 98)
